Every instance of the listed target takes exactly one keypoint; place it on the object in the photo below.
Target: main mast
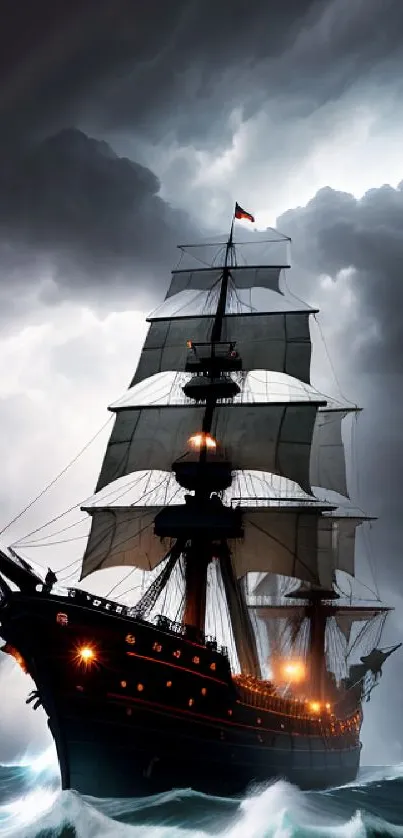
(199, 554)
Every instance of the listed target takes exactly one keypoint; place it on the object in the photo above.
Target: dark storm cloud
(93, 220)
(61, 56)
(181, 66)
(336, 232)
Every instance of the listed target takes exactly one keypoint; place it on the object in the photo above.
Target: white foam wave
(277, 811)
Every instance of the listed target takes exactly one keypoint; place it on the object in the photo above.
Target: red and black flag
(241, 213)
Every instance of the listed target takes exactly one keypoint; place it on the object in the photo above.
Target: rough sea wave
(32, 806)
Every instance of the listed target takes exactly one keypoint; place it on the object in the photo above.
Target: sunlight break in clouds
(345, 145)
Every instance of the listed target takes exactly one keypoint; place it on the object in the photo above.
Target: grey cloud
(362, 314)
(92, 222)
(337, 232)
(82, 55)
(180, 68)
(285, 59)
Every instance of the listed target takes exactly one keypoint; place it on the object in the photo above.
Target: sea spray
(371, 808)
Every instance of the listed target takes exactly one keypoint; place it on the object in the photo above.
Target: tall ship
(246, 656)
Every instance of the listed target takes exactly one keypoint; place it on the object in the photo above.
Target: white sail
(295, 543)
(299, 544)
(277, 341)
(268, 437)
(346, 617)
(205, 279)
(123, 537)
(328, 470)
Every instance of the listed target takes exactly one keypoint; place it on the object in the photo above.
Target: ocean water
(32, 806)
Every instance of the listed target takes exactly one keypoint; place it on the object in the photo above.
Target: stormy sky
(127, 127)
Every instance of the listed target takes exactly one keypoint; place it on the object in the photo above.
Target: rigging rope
(52, 483)
(62, 514)
(132, 569)
(40, 541)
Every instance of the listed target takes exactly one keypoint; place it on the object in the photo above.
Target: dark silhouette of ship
(143, 698)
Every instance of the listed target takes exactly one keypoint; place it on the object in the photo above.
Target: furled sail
(277, 341)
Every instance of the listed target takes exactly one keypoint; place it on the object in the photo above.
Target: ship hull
(154, 711)
(157, 753)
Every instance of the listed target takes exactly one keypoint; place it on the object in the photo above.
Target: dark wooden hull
(156, 711)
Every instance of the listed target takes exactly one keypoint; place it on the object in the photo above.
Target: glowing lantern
(314, 706)
(202, 440)
(86, 655)
(293, 671)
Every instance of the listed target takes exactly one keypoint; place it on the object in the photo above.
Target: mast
(198, 555)
(318, 614)
(317, 655)
(317, 606)
(317, 611)
(218, 321)
(197, 558)
(217, 331)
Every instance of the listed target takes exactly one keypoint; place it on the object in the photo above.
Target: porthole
(212, 666)
(196, 659)
(191, 702)
(203, 691)
(62, 619)
(130, 639)
(140, 688)
(169, 683)
(123, 684)
(176, 654)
